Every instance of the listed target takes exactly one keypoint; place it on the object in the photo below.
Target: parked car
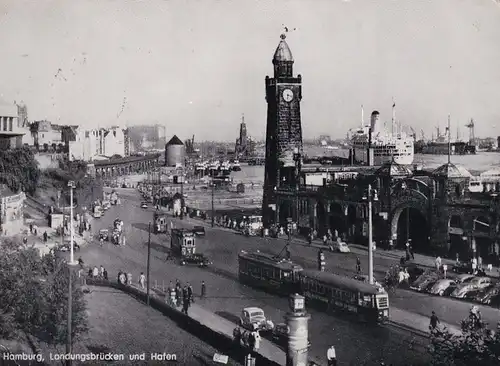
(144, 205)
(462, 268)
(494, 301)
(464, 278)
(487, 296)
(253, 318)
(424, 281)
(443, 287)
(413, 270)
(477, 283)
(472, 295)
(199, 230)
(197, 259)
(280, 334)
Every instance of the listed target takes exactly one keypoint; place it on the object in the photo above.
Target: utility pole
(370, 236)
(70, 315)
(149, 260)
(213, 209)
(182, 194)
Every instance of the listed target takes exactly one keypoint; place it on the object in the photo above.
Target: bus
(182, 243)
(267, 272)
(333, 292)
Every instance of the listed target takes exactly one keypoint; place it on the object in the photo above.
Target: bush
(19, 170)
(476, 345)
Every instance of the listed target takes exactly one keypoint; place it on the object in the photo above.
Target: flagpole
(393, 115)
(449, 140)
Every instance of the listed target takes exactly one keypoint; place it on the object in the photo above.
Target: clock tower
(283, 132)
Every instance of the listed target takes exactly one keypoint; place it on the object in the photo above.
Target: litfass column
(297, 321)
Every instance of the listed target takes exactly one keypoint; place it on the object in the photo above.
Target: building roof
(8, 109)
(175, 141)
(450, 170)
(283, 52)
(394, 170)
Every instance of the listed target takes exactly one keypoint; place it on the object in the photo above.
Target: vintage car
(253, 318)
(413, 270)
(196, 259)
(340, 246)
(487, 296)
(144, 205)
(104, 234)
(424, 281)
(66, 247)
(443, 287)
(280, 334)
(199, 230)
(464, 278)
(462, 267)
(477, 283)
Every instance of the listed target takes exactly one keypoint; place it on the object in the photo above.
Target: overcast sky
(196, 66)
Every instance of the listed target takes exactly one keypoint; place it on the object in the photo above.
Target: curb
(217, 340)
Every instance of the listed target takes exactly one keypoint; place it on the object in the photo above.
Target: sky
(196, 66)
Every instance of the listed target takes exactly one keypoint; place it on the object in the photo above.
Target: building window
(4, 123)
(11, 120)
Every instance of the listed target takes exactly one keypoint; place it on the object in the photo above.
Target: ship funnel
(374, 122)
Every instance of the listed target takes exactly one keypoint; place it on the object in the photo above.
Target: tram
(334, 292)
(267, 272)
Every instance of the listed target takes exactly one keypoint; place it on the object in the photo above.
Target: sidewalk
(416, 323)
(223, 326)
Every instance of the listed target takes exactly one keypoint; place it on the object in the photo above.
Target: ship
(386, 147)
(441, 148)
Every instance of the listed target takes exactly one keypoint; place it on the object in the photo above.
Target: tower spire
(449, 139)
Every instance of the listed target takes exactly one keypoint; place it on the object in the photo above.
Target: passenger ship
(387, 146)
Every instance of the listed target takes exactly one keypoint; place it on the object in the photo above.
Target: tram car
(323, 290)
(182, 243)
(332, 292)
(265, 271)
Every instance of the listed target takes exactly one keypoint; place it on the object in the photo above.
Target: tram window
(286, 274)
(267, 273)
(321, 290)
(276, 273)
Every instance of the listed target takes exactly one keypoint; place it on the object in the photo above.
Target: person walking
(95, 272)
(474, 265)
(410, 248)
(203, 289)
(438, 262)
(142, 280)
(256, 342)
(434, 321)
(190, 293)
(237, 336)
(102, 271)
(331, 356)
(358, 265)
(105, 274)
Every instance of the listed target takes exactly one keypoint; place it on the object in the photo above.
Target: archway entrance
(285, 212)
(337, 219)
(321, 218)
(458, 239)
(412, 224)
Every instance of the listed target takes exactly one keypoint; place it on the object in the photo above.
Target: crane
(422, 134)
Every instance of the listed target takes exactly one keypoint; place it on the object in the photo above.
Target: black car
(199, 230)
(197, 259)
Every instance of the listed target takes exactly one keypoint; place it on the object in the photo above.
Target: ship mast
(449, 139)
(362, 117)
(393, 116)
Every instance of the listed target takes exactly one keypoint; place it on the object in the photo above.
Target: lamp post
(72, 186)
(371, 197)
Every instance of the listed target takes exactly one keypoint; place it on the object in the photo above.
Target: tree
(475, 345)
(34, 296)
(19, 169)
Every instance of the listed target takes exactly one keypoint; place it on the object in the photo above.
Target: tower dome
(283, 59)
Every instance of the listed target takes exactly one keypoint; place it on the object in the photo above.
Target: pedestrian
(185, 306)
(177, 283)
(411, 251)
(474, 265)
(434, 321)
(445, 269)
(142, 280)
(173, 297)
(178, 296)
(190, 293)
(95, 273)
(105, 274)
(123, 278)
(480, 262)
(438, 263)
(288, 254)
(256, 342)
(251, 340)
(237, 336)
(119, 277)
(45, 236)
(129, 281)
(31, 228)
(358, 265)
(203, 289)
(102, 271)
(331, 356)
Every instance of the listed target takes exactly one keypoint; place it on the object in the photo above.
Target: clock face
(287, 95)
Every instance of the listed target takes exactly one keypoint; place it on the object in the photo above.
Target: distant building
(11, 135)
(243, 146)
(93, 143)
(22, 112)
(126, 142)
(46, 136)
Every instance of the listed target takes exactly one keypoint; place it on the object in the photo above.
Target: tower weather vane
(286, 30)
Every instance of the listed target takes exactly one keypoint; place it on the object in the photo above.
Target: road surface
(226, 297)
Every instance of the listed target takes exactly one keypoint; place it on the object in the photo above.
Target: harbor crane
(422, 134)
(470, 126)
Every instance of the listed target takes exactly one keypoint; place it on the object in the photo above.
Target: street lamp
(371, 197)
(72, 186)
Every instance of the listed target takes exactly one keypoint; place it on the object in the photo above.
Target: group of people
(178, 295)
(250, 339)
(475, 319)
(94, 272)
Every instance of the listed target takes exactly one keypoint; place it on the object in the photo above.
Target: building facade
(91, 144)
(284, 148)
(46, 135)
(11, 135)
(11, 210)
